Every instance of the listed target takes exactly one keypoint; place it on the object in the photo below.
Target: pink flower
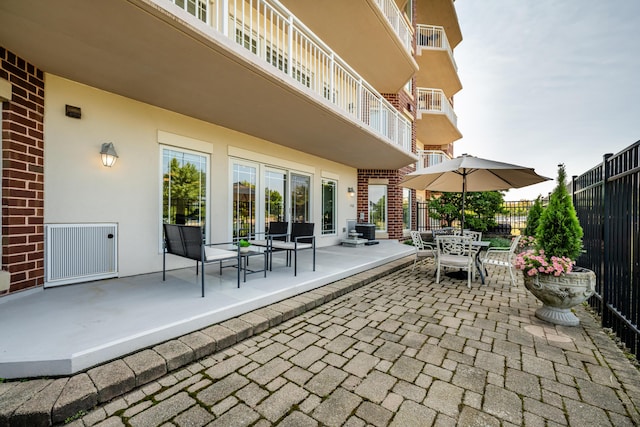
(533, 262)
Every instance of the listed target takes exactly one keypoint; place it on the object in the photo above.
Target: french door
(262, 194)
(275, 196)
(300, 198)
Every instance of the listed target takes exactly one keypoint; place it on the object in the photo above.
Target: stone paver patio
(399, 351)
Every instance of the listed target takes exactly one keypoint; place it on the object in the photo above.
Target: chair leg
(513, 279)
(201, 278)
(295, 263)
(245, 271)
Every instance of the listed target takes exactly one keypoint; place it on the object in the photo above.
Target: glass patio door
(275, 196)
(244, 199)
(263, 194)
(378, 206)
(300, 198)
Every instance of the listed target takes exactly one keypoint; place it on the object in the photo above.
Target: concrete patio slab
(63, 330)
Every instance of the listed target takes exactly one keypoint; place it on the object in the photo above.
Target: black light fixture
(108, 154)
(351, 191)
(72, 111)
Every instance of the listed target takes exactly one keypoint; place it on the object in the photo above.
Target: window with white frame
(301, 74)
(197, 8)
(329, 206)
(276, 58)
(406, 209)
(245, 38)
(184, 187)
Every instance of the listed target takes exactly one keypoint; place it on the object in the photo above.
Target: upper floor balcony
(428, 158)
(373, 36)
(442, 13)
(437, 123)
(248, 65)
(435, 57)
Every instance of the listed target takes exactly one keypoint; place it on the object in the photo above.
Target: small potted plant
(549, 267)
(244, 245)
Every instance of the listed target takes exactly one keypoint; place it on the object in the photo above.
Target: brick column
(394, 197)
(22, 173)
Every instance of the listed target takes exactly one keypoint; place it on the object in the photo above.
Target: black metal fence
(607, 201)
(513, 221)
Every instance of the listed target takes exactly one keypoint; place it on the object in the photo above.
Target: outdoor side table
(244, 263)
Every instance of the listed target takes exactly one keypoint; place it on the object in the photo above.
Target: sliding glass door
(300, 198)
(264, 194)
(244, 182)
(275, 196)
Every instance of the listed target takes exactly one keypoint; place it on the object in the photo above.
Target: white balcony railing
(397, 21)
(267, 29)
(434, 37)
(435, 101)
(430, 157)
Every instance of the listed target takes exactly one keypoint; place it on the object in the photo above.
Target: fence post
(606, 317)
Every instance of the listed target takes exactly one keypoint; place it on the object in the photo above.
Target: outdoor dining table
(479, 246)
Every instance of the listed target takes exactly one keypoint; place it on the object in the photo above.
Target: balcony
(428, 158)
(435, 57)
(442, 13)
(437, 123)
(249, 65)
(364, 33)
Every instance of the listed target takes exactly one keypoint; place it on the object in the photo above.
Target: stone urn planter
(559, 294)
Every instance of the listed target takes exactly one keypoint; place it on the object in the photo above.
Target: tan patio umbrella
(469, 173)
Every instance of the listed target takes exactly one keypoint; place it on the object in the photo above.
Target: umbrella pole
(464, 194)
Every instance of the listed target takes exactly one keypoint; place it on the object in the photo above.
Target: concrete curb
(45, 402)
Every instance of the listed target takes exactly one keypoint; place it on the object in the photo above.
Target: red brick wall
(22, 173)
(394, 198)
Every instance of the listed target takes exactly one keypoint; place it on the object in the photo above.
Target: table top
(481, 243)
(251, 252)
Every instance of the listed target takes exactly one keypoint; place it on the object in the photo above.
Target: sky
(548, 82)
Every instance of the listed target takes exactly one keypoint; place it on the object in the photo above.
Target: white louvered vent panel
(80, 252)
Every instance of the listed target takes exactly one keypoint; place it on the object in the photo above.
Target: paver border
(52, 401)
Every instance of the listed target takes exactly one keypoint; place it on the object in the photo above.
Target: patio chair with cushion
(455, 252)
(277, 230)
(502, 257)
(475, 235)
(300, 238)
(444, 231)
(188, 242)
(424, 250)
